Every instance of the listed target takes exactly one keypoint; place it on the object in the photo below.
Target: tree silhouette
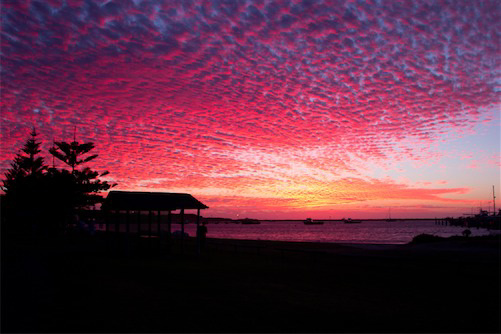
(36, 195)
(24, 183)
(25, 167)
(81, 187)
(69, 153)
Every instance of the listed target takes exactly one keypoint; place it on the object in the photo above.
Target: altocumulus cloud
(187, 88)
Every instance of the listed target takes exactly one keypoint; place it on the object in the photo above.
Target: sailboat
(389, 219)
(484, 218)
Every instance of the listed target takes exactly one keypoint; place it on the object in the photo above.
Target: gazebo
(127, 201)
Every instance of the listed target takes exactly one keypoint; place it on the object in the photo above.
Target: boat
(249, 221)
(389, 219)
(310, 221)
(351, 221)
(483, 219)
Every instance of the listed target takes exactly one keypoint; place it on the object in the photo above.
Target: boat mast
(493, 200)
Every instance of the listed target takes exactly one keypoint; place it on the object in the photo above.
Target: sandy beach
(251, 286)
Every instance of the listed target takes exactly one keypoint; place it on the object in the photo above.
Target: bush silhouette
(425, 238)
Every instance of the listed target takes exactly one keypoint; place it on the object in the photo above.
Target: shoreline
(461, 245)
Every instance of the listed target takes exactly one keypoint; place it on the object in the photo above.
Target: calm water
(368, 232)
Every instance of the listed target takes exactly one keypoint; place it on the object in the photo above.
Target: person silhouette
(202, 234)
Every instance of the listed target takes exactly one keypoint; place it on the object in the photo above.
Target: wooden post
(138, 223)
(150, 217)
(117, 230)
(127, 230)
(169, 222)
(182, 231)
(127, 221)
(198, 231)
(107, 230)
(117, 220)
(106, 218)
(159, 229)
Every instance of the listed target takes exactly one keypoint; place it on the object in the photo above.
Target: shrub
(425, 238)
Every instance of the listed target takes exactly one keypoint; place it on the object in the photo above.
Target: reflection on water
(377, 232)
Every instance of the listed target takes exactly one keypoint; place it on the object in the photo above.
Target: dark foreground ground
(74, 286)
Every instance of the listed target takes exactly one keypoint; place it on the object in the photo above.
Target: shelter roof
(146, 201)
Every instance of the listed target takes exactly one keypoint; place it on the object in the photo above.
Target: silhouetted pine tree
(24, 184)
(70, 153)
(46, 198)
(80, 187)
(25, 166)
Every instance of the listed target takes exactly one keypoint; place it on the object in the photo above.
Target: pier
(481, 220)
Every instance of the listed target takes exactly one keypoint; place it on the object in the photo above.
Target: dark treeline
(45, 199)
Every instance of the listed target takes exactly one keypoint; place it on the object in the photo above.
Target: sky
(266, 109)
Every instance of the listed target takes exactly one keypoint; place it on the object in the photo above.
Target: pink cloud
(174, 89)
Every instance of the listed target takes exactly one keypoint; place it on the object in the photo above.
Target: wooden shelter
(128, 201)
(151, 201)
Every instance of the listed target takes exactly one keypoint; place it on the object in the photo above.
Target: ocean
(367, 232)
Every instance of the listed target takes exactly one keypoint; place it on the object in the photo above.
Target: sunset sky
(267, 109)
